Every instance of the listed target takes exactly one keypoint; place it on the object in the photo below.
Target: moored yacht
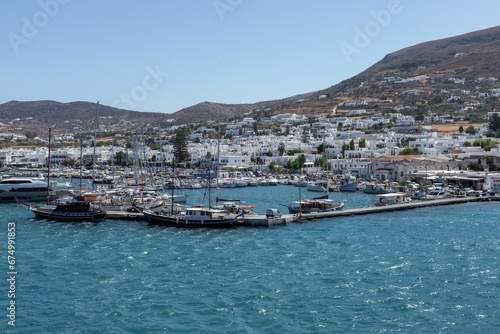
(24, 188)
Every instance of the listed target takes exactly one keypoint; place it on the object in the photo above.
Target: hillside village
(382, 124)
(344, 141)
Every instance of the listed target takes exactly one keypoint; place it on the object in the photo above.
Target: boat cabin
(393, 198)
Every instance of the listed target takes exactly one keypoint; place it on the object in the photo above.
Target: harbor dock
(395, 207)
(263, 221)
(124, 215)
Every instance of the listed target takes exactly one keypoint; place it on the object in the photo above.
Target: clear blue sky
(164, 55)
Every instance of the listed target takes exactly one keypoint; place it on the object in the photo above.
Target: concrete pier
(263, 221)
(395, 207)
(123, 215)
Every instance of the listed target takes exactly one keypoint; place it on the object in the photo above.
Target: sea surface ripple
(428, 270)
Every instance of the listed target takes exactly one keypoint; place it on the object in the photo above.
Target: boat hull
(376, 190)
(69, 216)
(349, 187)
(32, 195)
(315, 208)
(180, 220)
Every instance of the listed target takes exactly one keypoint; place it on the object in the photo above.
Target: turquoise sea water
(429, 270)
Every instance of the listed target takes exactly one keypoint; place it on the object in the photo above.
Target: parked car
(273, 213)
(473, 193)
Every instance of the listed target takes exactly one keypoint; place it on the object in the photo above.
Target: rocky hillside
(73, 116)
(420, 77)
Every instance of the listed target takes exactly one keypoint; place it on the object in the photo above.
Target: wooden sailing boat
(76, 209)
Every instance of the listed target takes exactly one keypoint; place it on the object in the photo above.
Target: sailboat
(75, 209)
(317, 204)
(197, 216)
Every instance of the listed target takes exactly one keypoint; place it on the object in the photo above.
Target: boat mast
(48, 168)
(173, 187)
(327, 176)
(218, 162)
(81, 164)
(95, 142)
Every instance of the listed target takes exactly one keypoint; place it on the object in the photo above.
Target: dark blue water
(429, 270)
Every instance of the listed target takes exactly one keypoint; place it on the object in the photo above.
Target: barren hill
(415, 76)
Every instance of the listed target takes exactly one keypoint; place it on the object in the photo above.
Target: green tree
(30, 134)
(485, 144)
(293, 151)
(320, 161)
(470, 130)
(362, 143)
(305, 136)
(181, 153)
(461, 129)
(410, 151)
(345, 147)
(302, 160)
(287, 130)
(494, 123)
(352, 146)
(121, 158)
(476, 166)
(70, 162)
(293, 164)
(272, 166)
(281, 149)
(491, 134)
(321, 148)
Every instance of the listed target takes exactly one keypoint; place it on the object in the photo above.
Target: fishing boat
(376, 188)
(318, 186)
(75, 209)
(348, 184)
(315, 205)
